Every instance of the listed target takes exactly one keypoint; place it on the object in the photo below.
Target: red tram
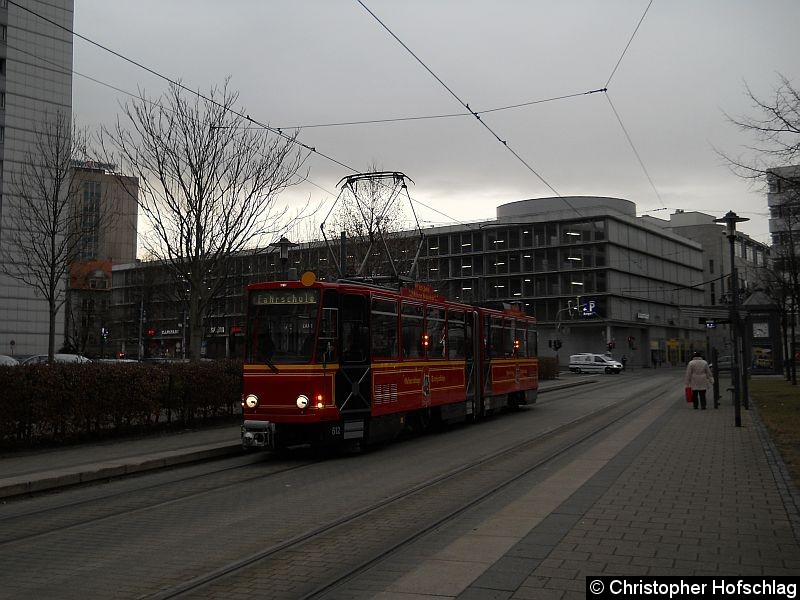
(349, 362)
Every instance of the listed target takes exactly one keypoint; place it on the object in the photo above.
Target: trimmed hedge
(61, 403)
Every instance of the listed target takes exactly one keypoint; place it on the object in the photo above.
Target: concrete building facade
(590, 271)
(35, 83)
(597, 278)
(106, 204)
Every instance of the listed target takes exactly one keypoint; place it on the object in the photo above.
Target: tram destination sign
(273, 297)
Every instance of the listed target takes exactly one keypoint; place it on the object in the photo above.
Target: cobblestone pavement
(687, 494)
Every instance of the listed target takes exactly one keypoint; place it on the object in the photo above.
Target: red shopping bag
(688, 393)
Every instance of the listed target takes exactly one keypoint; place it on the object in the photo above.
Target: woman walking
(699, 378)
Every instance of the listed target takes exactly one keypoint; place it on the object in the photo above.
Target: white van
(593, 363)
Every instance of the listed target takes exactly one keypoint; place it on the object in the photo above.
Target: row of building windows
(534, 235)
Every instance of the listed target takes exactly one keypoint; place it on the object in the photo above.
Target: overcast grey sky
(312, 62)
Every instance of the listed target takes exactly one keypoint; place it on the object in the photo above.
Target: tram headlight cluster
(302, 401)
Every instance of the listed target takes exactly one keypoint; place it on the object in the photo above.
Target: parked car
(8, 361)
(38, 359)
(593, 363)
(116, 361)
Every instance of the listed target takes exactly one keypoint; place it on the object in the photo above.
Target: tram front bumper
(258, 434)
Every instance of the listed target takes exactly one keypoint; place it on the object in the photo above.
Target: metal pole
(746, 361)
(735, 331)
(141, 323)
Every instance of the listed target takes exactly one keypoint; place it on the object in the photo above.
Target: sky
(305, 63)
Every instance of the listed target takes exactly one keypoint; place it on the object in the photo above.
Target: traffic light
(631, 341)
(151, 332)
(556, 344)
(610, 346)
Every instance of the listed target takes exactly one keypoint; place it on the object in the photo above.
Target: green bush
(58, 403)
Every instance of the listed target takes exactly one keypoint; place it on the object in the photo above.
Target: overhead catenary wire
(277, 131)
(628, 45)
(633, 147)
(313, 150)
(462, 102)
(446, 115)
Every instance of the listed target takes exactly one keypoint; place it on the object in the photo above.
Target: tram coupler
(257, 434)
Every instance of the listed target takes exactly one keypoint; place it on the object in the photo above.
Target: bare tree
(209, 181)
(49, 221)
(774, 163)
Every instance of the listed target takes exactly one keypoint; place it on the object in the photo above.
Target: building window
(711, 267)
(3, 33)
(90, 220)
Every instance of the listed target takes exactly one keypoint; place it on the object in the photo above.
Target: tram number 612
(336, 430)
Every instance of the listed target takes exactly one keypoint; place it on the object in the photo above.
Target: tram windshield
(281, 325)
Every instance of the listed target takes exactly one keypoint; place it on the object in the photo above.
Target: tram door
(472, 372)
(353, 381)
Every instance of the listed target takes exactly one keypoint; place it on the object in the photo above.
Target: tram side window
(509, 335)
(355, 332)
(496, 348)
(520, 339)
(328, 339)
(533, 341)
(384, 329)
(412, 330)
(469, 334)
(436, 332)
(456, 342)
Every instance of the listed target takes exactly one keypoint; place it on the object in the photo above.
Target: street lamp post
(283, 246)
(730, 220)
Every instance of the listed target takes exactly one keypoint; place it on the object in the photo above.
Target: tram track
(372, 527)
(40, 522)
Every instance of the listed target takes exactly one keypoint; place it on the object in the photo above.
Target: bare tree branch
(208, 186)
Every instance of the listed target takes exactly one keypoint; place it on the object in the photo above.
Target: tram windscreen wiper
(271, 365)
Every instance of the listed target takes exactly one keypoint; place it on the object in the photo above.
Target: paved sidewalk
(677, 491)
(60, 467)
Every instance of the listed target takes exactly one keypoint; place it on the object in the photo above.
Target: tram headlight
(302, 401)
(320, 401)
(251, 401)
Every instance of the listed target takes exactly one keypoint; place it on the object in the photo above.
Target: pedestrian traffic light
(556, 344)
(151, 332)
